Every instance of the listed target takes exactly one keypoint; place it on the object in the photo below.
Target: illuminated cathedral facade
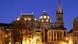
(26, 29)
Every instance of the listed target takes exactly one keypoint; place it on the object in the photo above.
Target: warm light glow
(23, 43)
(29, 19)
(9, 42)
(48, 17)
(35, 19)
(30, 40)
(27, 41)
(62, 42)
(41, 17)
(6, 35)
(42, 20)
(44, 16)
(66, 38)
(16, 42)
(25, 18)
(70, 41)
(7, 29)
(47, 20)
(24, 40)
(18, 18)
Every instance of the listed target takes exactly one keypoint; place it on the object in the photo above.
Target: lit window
(7, 29)
(6, 35)
(35, 19)
(25, 19)
(48, 17)
(47, 20)
(44, 16)
(18, 18)
(9, 42)
(29, 19)
(41, 17)
(42, 20)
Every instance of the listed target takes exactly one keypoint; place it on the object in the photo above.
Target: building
(26, 29)
(73, 33)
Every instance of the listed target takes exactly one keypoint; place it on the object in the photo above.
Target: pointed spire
(59, 7)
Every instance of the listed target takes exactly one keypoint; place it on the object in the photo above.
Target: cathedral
(26, 29)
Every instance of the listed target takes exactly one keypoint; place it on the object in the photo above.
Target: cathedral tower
(75, 24)
(59, 15)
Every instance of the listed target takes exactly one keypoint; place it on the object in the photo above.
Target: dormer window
(44, 17)
(25, 18)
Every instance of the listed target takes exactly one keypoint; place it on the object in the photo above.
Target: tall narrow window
(59, 35)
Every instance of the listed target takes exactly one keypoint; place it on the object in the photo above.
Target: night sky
(11, 9)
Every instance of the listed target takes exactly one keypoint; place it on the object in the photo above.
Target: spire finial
(59, 7)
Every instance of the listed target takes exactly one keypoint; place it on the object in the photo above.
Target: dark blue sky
(11, 9)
